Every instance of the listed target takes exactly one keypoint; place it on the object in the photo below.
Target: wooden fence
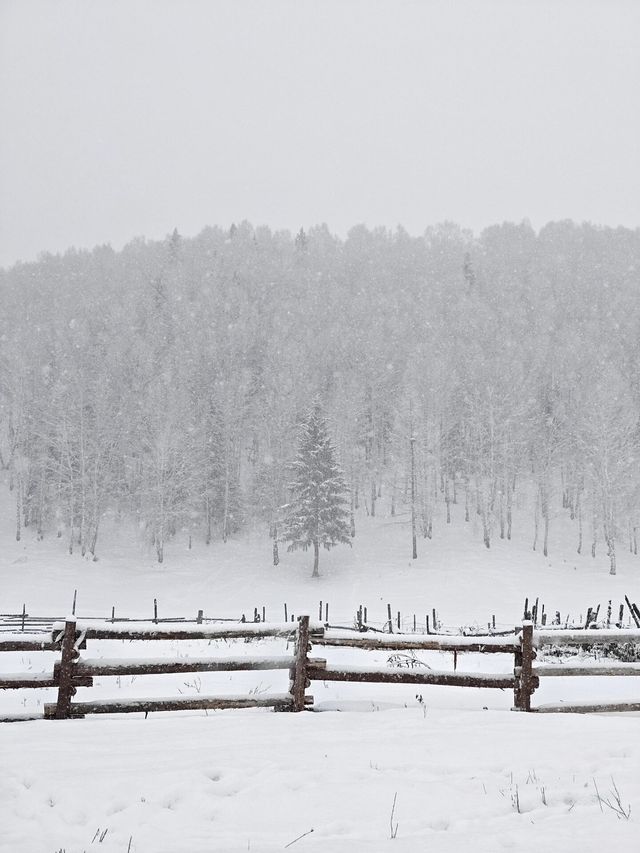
(73, 671)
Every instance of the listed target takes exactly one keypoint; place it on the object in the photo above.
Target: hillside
(454, 572)
(167, 384)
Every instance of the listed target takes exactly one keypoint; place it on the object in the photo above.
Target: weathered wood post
(66, 688)
(525, 681)
(632, 611)
(299, 671)
(517, 667)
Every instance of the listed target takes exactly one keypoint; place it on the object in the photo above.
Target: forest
(165, 384)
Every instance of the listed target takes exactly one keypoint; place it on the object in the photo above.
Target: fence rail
(73, 671)
(424, 642)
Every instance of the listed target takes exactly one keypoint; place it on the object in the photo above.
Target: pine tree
(318, 512)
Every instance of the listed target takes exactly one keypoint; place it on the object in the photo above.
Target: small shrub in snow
(613, 801)
(406, 660)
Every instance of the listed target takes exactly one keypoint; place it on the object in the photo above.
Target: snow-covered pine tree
(318, 512)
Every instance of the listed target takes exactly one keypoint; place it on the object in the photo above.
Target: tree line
(167, 383)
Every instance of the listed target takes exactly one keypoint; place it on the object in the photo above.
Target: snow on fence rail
(73, 671)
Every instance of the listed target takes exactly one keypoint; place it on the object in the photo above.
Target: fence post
(299, 672)
(67, 662)
(523, 669)
(517, 667)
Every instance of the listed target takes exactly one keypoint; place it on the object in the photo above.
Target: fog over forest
(165, 384)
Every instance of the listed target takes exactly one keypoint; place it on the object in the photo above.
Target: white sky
(130, 118)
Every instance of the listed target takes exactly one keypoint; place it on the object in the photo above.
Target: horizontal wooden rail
(569, 670)
(21, 680)
(158, 666)
(279, 701)
(424, 642)
(587, 708)
(410, 676)
(585, 637)
(34, 643)
(141, 631)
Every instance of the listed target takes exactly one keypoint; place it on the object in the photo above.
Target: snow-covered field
(246, 780)
(465, 771)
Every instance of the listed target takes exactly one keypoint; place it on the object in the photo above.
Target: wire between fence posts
(526, 682)
(66, 689)
(299, 681)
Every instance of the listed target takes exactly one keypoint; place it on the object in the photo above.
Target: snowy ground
(248, 780)
(255, 780)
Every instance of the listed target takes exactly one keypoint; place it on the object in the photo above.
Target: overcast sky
(122, 119)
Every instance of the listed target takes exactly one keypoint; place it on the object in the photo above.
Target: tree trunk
(94, 540)
(545, 547)
(95, 509)
(207, 509)
(393, 496)
(608, 526)
(316, 558)
(544, 509)
(71, 522)
(611, 545)
(225, 519)
(414, 544)
(486, 534)
(19, 512)
(41, 504)
(82, 534)
(352, 518)
(579, 528)
(447, 499)
(564, 489)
